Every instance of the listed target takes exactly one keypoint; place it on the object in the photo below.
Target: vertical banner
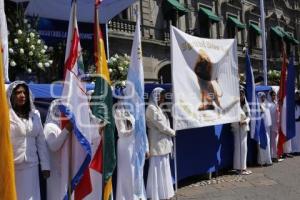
(135, 92)
(205, 81)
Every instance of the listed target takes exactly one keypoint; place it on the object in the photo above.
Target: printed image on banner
(205, 80)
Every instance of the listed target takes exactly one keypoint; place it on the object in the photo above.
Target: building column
(220, 27)
(244, 31)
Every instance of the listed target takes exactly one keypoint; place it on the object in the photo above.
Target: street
(281, 181)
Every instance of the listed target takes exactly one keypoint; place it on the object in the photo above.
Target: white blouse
(29, 144)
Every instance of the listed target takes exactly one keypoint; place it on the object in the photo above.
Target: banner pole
(107, 42)
(263, 28)
(175, 164)
(174, 121)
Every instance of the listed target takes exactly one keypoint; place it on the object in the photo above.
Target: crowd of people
(269, 112)
(34, 145)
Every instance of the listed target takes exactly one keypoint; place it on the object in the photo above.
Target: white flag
(205, 80)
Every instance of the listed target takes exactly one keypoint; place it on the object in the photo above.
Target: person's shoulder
(35, 113)
(151, 107)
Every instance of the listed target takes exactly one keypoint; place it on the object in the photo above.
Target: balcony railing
(256, 52)
(120, 26)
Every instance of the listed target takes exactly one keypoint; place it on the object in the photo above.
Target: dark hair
(163, 92)
(25, 110)
(272, 92)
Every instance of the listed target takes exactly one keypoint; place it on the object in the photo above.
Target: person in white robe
(240, 132)
(125, 123)
(274, 112)
(28, 140)
(159, 182)
(296, 139)
(55, 137)
(264, 155)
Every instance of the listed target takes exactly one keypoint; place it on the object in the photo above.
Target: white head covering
(269, 97)
(155, 95)
(13, 86)
(260, 95)
(54, 114)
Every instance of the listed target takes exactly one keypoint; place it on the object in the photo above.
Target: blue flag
(290, 101)
(257, 127)
(135, 96)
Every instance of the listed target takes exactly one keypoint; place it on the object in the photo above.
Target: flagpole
(263, 27)
(106, 38)
(174, 125)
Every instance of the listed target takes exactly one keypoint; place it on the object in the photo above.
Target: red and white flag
(76, 151)
(282, 105)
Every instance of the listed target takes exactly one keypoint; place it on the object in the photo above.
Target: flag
(104, 160)
(4, 40)
(7, 176)
(77, 149)
(290, 101)
(282, 104)
(135, 97)
(257, 125)
(205, 69)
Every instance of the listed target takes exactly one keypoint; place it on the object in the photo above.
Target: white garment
(125, 170)
(287, 147)
(159, 183)
(274, 136)
(125, 124)
(240, 139)
(27, 182)
(274, 111)
(264, 155)
(28, 142)
(55, 138)
(296, 139)
(159, 131)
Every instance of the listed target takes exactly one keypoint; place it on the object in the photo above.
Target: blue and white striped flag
(257, 128)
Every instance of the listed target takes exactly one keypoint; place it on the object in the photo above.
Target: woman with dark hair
(28, 140)
(159, 183)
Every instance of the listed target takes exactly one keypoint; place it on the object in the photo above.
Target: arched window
(165, 74)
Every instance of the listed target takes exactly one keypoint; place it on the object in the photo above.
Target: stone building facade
(238, 19)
